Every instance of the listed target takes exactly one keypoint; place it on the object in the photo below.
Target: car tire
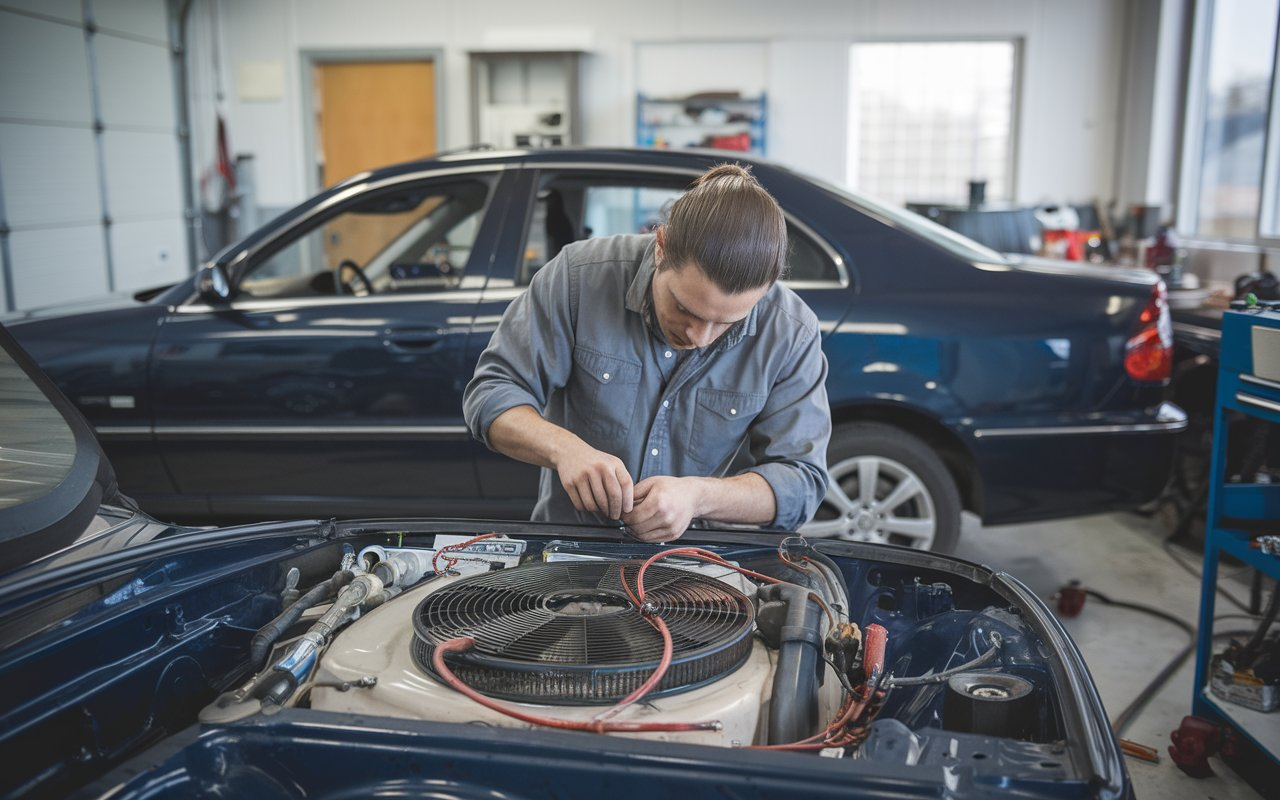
(871, 463)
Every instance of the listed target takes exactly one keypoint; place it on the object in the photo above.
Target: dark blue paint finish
(117, 653)
(246, 412)
(334, 756)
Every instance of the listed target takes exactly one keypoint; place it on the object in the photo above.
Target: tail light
(1148, 355)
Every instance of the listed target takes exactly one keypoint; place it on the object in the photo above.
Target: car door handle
(413, 341)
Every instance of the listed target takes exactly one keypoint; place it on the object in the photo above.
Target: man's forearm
(746, 498)
(523, 434)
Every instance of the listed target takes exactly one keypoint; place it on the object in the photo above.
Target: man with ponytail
(666, 378)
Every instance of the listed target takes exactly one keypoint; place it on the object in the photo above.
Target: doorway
(368, 110)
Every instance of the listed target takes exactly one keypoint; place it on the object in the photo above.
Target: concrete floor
(1119, 555)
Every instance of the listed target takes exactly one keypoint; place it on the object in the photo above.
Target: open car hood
(138, 663)
(53, 474)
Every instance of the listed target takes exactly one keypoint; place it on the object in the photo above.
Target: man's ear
(660, 232)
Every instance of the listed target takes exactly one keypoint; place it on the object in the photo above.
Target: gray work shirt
(576, 347)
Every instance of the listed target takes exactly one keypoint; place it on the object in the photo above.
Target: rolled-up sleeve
(788, 440)
(529, 355)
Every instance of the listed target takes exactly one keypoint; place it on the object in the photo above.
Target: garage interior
(138, 138)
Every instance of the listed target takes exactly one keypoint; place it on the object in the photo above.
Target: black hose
(1268, 619)
(262, 642)
(793, 712)
(1130, 711)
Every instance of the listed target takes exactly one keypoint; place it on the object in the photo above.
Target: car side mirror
(215, 286)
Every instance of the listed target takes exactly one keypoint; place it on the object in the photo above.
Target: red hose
(873, 659)
(464, 643)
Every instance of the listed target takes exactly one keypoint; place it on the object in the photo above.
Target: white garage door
(90, 181)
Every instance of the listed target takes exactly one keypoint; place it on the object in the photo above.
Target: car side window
(569, 208)
(411, 239)
(806, 261)
(573, 207)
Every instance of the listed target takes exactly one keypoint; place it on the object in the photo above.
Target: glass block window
(926, 118)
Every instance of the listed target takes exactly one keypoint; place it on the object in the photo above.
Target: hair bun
(733, 170)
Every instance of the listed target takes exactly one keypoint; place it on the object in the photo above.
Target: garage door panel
(136, 82)
(4, 290)
(50, 175)
(147, 254)
(59, 265)
(69, 10)
(143, 177)
(44, 71)
(130, 16)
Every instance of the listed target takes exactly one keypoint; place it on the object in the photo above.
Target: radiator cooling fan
(566, 633)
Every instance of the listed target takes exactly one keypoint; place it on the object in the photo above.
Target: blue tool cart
(1243, 521)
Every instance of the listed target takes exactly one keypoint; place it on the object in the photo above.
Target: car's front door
(331, 384)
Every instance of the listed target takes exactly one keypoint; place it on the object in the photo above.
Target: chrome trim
(1269, 405)
(685, 172)
(290, 303)
(211, 431)
(1260, 381)
(122, 431)
(1169, 418)
(1197, 331)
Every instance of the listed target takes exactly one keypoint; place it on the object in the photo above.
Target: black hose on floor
(1122, 720)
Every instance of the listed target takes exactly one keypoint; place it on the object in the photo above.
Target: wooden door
(374, 113)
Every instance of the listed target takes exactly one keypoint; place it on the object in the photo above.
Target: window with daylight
(926, 118)
(1227, 194)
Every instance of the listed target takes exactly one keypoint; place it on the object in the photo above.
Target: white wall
(1067, 116)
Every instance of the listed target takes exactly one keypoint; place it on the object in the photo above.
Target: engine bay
(764, 647)
(340, 657)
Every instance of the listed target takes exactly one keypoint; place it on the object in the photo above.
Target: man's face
(691, 310)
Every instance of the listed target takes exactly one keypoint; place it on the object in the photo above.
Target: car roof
(688, 158)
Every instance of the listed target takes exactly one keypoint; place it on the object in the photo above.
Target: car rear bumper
(1093, 464)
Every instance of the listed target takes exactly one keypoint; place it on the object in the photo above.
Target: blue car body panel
(117, 649)
(351, 406)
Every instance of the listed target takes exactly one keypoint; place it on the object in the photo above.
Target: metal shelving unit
(1249, 384)
(726, 123)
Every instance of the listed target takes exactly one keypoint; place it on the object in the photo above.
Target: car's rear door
(317, 392)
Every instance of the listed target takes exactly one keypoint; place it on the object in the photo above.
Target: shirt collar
(639, 300)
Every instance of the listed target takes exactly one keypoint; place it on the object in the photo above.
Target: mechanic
(636, 367)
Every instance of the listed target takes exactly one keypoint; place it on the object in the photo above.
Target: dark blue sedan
(316, 367)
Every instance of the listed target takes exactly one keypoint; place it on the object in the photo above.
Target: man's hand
(664, 507)
(596, 481)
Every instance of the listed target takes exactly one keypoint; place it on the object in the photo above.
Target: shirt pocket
(720, 425)
(602, 395)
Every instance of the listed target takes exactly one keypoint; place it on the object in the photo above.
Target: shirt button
(653, 452)
(733, 411)
(667, 354)
(666, 403)
(605, 376)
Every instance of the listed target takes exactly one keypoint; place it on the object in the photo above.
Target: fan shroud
(566, 633)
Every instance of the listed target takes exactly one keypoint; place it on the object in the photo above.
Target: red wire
(463, 643)
(455, 547)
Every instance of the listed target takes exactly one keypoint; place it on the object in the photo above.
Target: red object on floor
(1193, 742)
(1071, 599)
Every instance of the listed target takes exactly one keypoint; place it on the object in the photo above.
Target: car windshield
(945, 238)
(37, 447)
